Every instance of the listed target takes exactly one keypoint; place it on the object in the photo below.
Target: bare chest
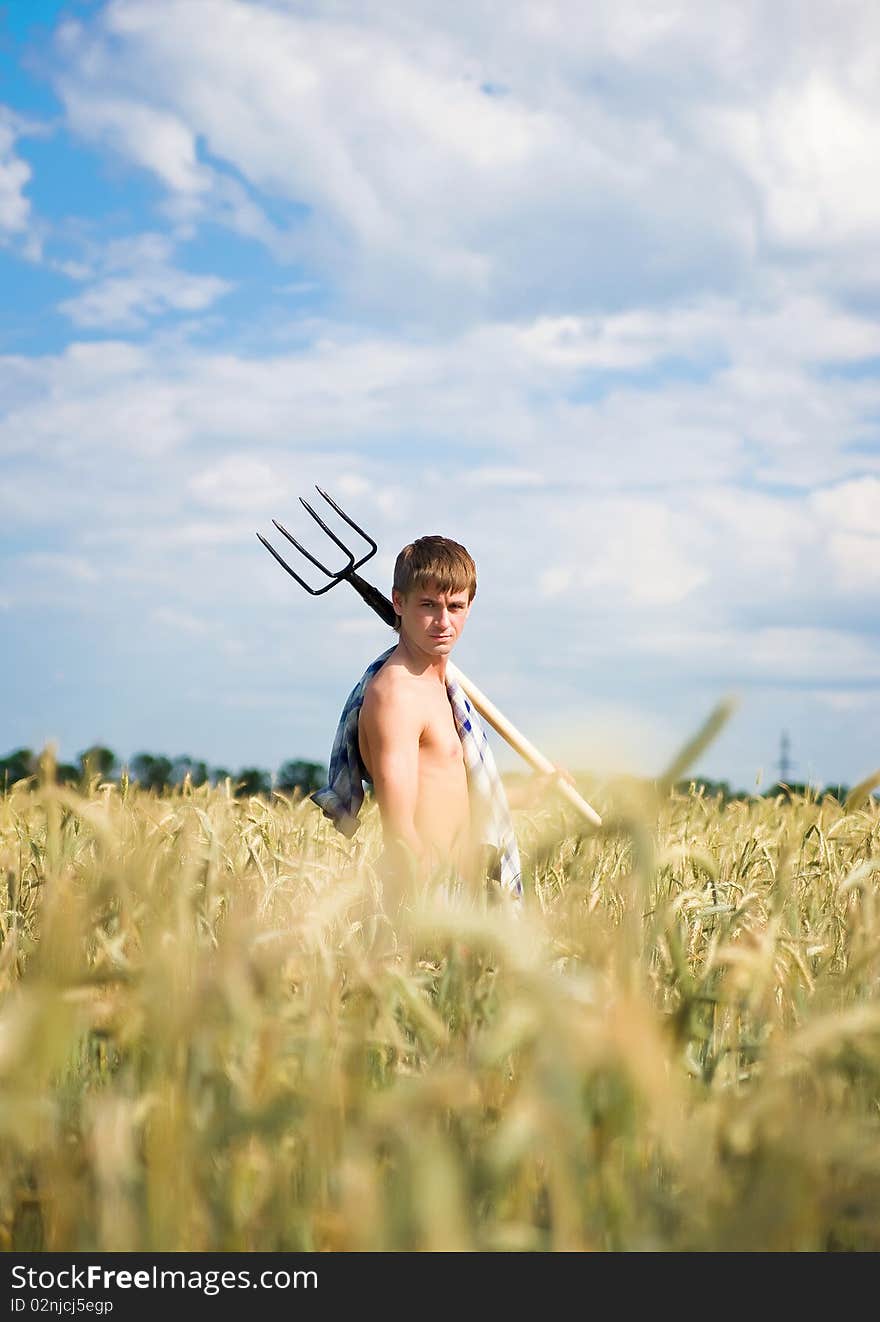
(439, 743)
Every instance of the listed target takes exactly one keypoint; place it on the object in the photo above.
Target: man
(410, 730)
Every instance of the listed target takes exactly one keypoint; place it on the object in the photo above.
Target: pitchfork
(386, 612)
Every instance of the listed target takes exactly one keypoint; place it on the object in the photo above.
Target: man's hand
(537, 787)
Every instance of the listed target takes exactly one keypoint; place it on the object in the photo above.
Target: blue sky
(593, 289)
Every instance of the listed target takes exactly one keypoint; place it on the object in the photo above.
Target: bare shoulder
(390, 695)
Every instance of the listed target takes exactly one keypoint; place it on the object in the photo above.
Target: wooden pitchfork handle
(520, 743)
(487, 709)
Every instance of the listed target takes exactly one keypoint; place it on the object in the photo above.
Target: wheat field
(674, 1046)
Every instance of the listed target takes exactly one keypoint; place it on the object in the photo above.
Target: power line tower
(785, 764)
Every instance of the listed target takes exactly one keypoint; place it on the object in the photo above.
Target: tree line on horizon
(157, 772)
(711, 789)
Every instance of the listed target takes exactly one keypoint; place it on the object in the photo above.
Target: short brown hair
(435, 560)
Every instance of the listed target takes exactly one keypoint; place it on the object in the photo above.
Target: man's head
(435, 580)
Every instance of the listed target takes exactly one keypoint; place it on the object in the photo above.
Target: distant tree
(302, 776)
(792, 789)
(67, 773)
(252, 780)
(709, 789)
(185, 766)
(97, 761)
(218, 774)
(150, 771)
(17, 765)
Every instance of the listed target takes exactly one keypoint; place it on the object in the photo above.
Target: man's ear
(397, 600)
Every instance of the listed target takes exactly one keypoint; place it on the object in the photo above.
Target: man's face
(430, 620)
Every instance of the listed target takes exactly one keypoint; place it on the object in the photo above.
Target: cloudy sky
(594, 289)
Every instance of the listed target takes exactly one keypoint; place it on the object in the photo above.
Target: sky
(592, 289)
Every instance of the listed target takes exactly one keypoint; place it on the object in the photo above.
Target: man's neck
(418, 663)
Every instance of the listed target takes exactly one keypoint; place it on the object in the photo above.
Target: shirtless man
(407, 736)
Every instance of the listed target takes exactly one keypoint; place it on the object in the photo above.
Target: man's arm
(391, 725)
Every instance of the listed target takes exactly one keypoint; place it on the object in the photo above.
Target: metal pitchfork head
(372, 596)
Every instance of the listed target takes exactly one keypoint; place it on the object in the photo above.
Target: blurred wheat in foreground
(676, 1045)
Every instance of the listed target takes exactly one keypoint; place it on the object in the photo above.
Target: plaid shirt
(342, 797)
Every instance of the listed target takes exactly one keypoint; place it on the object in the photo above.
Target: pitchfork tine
(342, 514)
(329, 531)
(371, 595)
(284, 565)
(315, 592)
(308, 555)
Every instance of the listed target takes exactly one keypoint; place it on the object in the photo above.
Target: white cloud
(153, 139)
(127, 302)
(497, 163)
(415, 176)
(364, 625)
(505, 477)
(15, 175)
(773, 537)
(856, 557)
(789, 328)
(810, 149)
(59, 564)
(638, 555)
(849, 514)
(135, 280)
(477, 399)
(848, 700)
(851, 506)
(181, 622)
(775, 652)
(238, 482)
